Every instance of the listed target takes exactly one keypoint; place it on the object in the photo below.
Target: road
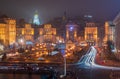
(86, 68)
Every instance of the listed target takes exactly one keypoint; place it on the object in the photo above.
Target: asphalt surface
(86, 68)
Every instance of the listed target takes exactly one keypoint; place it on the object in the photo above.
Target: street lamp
(21, 41)
(63, 51)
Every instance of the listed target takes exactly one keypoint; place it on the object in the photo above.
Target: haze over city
(59, 39)
(101, 10)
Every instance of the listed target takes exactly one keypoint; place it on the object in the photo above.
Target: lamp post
(63, 53)
(21, 42)
(64, 65)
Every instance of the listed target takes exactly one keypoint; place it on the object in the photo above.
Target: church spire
(36, 20)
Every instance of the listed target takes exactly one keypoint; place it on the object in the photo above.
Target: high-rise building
(91, 33)
(36, 20)
(7, 31)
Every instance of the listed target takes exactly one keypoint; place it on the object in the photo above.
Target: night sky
(100, 9)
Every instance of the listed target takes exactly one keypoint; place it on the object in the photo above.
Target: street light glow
(71, 28)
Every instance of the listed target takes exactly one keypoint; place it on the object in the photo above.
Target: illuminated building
(109, 31)
(25, 32)
(8, 31)
(91, 33)
(71, 32)
(48, 34)
(117, 35)
(28, 32)
(36, 20)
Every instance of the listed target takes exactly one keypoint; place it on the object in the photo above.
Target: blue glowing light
(71, 28)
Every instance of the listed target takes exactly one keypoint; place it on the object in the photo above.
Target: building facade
(47, 34)
(71, 32)
(91, 33)
(25, 33)
(8, 31)
(109, 32)
(117, 35)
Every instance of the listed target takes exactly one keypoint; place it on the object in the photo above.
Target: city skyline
(59, 39)
(100, 10)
